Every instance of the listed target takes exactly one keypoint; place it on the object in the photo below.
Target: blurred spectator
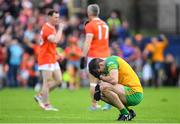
(28, 71)
(3, 7)
(27, 6)
(14, 56)
(18, 32)
(6, 37)
(45, 4)
(128, 50)
(74, 27)
(29, 33)
(159, 59)
(3, 55)
(172, 71)
(2, 28)
(115, 50)
(114, 23)
(148, 51)
(123, 32)
(8, 19)
(137, 62)
(63, 10)
(147, 74)
(71, 77)
(73, 52)
(155, 51)
(24, 74)
(15, 8)
(139, 41)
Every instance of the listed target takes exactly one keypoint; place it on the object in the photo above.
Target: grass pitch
(17, 105)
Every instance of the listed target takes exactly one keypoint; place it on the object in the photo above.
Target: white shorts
(49, 67)
(88, 61)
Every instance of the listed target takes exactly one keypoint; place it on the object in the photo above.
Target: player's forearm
(165, 40)
(58, 35)
(108, 79)
(87, 43)
(86, 48)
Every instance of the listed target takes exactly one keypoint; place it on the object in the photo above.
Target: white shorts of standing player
(49, 67)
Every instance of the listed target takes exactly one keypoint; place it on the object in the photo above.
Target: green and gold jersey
(127, 76)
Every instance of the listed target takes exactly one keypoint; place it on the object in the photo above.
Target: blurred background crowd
(153, 57)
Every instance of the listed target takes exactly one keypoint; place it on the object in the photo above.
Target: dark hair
(51, 12)
(94, 65)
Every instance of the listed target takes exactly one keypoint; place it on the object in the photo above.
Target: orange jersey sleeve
(89, 28)
(47, 52)
(100, 44)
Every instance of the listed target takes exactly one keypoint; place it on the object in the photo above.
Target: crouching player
(119, 85)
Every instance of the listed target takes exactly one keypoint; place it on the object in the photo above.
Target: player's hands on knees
(97, 94)
(82, 62)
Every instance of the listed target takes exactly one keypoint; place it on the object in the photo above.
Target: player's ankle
(124, 111)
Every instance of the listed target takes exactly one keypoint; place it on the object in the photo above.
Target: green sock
(124, 111)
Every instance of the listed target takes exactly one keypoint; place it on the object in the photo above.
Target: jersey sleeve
(89, 28)
(46, 32)
(111, 65)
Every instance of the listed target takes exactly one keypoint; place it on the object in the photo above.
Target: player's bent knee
(59, 81)
(104, 87)
(48, 80)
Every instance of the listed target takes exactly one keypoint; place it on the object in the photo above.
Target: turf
(17, 105)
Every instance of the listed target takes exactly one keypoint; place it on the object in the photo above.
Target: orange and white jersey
(99, 47)
(47, 53)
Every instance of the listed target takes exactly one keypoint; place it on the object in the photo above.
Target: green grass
(17, 105)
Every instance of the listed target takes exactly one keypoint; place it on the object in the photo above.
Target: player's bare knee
(58, 81)
(104, 87)
(48, 80)
(46, 84)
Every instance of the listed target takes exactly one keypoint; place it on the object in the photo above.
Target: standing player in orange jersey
(47, 62)
(96, 44)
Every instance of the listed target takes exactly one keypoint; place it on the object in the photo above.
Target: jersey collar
(48, 24)
(95, 19)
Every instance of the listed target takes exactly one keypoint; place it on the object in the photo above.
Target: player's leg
(117, 100)
(57, 76)
(93, 82)
(48, 83)
(42, 97)
(56, 80)
(47, 80)
(126, 94)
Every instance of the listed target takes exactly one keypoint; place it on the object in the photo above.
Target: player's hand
(97, 94)
(61, 25)
(82, 62)
(97, 88)
(162, 36)
(95, 73)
